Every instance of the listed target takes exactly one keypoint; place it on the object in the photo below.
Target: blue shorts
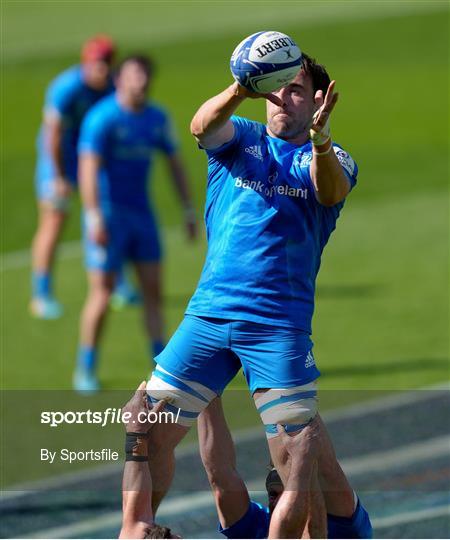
(44, 178)
(211, 351)
(132, 236)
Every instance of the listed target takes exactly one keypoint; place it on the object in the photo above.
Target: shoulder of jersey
(70, 79)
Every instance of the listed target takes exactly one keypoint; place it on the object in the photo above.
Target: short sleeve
(167, 136)
(60, 96)
(241, 126)
(349, 166)
(253, 524)
(93, 134)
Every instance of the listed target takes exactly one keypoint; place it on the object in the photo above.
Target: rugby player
(67, 100)
(274, 193)
(118, 139)
(242, 518)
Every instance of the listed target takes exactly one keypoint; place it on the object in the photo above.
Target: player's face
(97, 74)
(133, 83)
(274, 493)
(293, 119)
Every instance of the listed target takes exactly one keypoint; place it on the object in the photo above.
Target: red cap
(99, 47)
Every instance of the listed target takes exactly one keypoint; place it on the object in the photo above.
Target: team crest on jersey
(304, 159)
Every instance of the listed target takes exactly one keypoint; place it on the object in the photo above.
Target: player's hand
(304, 444)
(320, 129)
(241, 91)
(190, 223)
(138, 408)
(96, 227)
(61, 192)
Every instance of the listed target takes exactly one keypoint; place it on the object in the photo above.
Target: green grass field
(382, 313)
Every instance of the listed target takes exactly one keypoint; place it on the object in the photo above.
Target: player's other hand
(138, 408)
(63, 188)
(303, 444)
(324, 106)
(96, 227)
(241, 91)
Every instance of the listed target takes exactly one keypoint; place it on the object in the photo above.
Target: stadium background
(381, 320)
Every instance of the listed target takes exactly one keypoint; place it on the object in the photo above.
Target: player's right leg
(52, 209)
(195, 367)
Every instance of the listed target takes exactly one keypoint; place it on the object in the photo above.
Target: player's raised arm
(211, 125)
(137, 520)
(327, 174)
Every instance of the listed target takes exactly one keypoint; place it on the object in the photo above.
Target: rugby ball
(266, 61)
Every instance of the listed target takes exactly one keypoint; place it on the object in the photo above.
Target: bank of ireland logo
(304, 159)
(255, 151)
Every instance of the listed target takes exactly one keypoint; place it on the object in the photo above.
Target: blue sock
(156, 348)
(41, 284)
(87, 357)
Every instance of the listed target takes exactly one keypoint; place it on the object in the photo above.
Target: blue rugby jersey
(69, 97)
(266, 230)
(126, 141)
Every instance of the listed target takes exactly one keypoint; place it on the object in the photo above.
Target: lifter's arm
(211, 125)
(137, 481)
(219, 459)
(294, 509)
(54, 136)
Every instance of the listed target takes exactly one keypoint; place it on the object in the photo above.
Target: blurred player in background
(68, 98)
(117, 142)
(240, 517)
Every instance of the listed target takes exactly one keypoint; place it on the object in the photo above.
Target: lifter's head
(158, 531)
(97, 57)
(291, 120)
(274, 488)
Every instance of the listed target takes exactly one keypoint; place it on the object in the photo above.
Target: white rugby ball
(266, 61)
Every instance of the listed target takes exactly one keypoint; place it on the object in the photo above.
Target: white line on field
(411, 517)
(240, 436)
(378, 461)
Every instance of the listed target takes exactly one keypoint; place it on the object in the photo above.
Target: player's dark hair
(318, 73)
(158, 531)
(143, 61)
(272, 478)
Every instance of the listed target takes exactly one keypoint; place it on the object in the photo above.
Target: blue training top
(69, 97)
(125, 140)
(265, 228)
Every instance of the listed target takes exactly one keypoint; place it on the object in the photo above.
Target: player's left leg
(144, 250)
(150, 279)
(93, 316)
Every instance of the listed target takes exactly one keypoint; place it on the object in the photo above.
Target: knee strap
(292, 407)
(186, 399)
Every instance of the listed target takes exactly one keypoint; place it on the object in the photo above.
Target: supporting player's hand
(304, 444)
(320, 130)
(138, 408)
(241, 91)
